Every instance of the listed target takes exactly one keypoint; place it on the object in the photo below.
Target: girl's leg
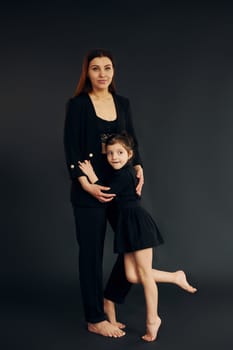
(177, 277)
(142, 260)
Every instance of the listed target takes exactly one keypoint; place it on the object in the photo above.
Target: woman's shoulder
(121, 99)
(77, 106)
(77, 100)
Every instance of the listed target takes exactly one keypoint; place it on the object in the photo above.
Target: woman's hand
(96, 190)
(140, 177)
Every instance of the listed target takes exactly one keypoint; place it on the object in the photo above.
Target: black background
(174, 62)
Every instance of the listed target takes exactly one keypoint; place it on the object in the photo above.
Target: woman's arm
(140, 177)
(72, 136)
(73, 133)
(137, 162)
(129, 126)
(95, 190)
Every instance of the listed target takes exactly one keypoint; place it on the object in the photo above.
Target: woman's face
(100, 73)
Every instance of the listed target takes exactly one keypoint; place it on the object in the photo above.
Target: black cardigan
(82, 140)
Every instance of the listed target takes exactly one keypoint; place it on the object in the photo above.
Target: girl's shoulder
(126, 171)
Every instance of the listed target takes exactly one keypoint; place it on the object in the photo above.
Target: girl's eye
(108, 68)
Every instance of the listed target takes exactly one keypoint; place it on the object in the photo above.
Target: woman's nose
(101, 72)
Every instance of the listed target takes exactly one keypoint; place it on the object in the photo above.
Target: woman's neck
(100, 94)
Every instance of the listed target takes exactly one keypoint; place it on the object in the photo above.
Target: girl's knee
(132, 277)
(144, 274)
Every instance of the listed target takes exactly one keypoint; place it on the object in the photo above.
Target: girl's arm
(88, 170)
(119, 182)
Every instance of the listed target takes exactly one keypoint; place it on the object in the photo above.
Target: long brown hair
(84, 84)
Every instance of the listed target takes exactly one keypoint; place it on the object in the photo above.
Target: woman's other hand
(140, 177)
(96, 190)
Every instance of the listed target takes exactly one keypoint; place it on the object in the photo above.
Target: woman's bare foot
(181, 281)
(106, 329)
(109, 309)
(152, 330)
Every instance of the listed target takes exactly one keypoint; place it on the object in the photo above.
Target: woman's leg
(116, 289)
(117, 286)
(142, 260)
(90, 231)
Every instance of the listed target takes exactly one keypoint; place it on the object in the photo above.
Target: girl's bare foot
(181, 281)
(106, 329)
(109, 309)
(152, 330)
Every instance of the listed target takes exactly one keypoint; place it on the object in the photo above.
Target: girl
(136, 232)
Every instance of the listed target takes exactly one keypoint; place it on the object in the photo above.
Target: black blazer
(82, 140)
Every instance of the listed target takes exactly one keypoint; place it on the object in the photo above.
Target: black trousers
(90, 231)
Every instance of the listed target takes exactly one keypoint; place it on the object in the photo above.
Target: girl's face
(117, 155)
(100, 73)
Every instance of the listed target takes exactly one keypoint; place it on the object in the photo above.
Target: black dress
(136, 229)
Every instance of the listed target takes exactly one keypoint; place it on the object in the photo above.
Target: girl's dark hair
(84, 84)
(123, 138)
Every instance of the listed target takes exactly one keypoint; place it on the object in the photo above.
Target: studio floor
(53, 320)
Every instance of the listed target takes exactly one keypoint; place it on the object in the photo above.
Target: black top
(106, 128)
(123, 183)
(82, 141)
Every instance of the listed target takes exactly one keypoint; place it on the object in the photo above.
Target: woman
(96, 111)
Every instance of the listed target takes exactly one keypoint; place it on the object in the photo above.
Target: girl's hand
(86, 167)
(140, 176)
(88, 170)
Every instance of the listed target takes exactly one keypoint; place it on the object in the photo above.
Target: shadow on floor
(54, 320)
